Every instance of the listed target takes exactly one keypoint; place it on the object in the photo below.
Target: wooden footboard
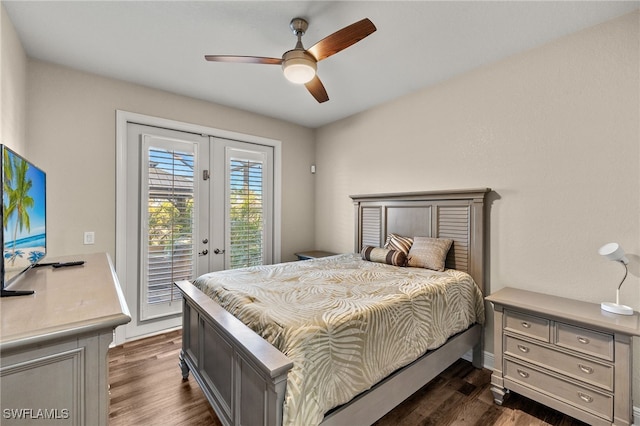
(244, 377)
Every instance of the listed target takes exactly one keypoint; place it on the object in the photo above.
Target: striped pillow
(399, 243)
(381, 255)
(429, 253)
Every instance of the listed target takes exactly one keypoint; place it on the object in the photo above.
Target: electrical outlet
(89, 237)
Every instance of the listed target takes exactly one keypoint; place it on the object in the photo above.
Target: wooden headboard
(456, 215)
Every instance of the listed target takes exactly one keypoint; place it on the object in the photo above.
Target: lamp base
(616, 309)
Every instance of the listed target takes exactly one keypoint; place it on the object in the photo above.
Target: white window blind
(170, 220)
(246, 213)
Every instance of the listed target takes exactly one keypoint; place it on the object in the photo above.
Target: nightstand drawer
(597, 403)
(585, 341)
(528, 325)
(595, 373)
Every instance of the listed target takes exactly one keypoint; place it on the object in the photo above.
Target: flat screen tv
(24, 222)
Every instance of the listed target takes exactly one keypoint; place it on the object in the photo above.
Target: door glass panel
(168, 249)
(246, 215)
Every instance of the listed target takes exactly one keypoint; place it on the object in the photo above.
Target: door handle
(204, 252)
(218, 251)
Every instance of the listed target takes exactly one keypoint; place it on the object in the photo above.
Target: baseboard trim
(488, 361)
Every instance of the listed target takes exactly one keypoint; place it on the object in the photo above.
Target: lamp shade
(613, 251)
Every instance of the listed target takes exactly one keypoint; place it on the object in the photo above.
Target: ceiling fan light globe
(299, 73)
(298, 67)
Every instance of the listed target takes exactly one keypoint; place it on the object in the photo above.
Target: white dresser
(566, 354)
(53, 344)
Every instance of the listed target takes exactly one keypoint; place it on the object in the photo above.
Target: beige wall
(554, 131)
(13, 86)
(72, 136)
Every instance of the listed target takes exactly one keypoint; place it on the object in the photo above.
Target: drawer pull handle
(585, 368)
(585, 397)
(523, 374)
(526, 324)
(583, 340)
(523, 349)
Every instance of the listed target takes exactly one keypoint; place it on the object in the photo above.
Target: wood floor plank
(146, 388)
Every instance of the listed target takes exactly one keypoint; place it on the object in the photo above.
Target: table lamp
(613, 251)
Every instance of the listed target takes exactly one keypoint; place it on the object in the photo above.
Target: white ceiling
(418, 43)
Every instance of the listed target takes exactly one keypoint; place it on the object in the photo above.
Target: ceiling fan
(299, 64)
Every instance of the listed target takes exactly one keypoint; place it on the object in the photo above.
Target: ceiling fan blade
(316, 88)
(342, 39)
(243, 59)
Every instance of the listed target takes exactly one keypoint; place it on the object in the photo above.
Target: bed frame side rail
(241, 374)
(389, 393)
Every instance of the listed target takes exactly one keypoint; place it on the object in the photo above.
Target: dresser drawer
(595, 373)
(597, 403)
(528, 325)
(585, 341)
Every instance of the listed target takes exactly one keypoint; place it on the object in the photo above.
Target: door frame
(124, 117)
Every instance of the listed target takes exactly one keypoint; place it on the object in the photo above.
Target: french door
(242, 197)
(195, 204)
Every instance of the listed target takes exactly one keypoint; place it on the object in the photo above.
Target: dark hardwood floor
(147, 389)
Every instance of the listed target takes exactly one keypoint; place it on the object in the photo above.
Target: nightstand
(313, 254)
(566, 354)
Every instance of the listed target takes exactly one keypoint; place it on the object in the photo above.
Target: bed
(245, 377)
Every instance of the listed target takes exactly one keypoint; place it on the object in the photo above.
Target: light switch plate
(89, 237)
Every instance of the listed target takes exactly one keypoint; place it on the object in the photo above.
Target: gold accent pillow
(429, 253)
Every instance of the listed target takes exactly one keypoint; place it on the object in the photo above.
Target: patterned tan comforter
(344, 322)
